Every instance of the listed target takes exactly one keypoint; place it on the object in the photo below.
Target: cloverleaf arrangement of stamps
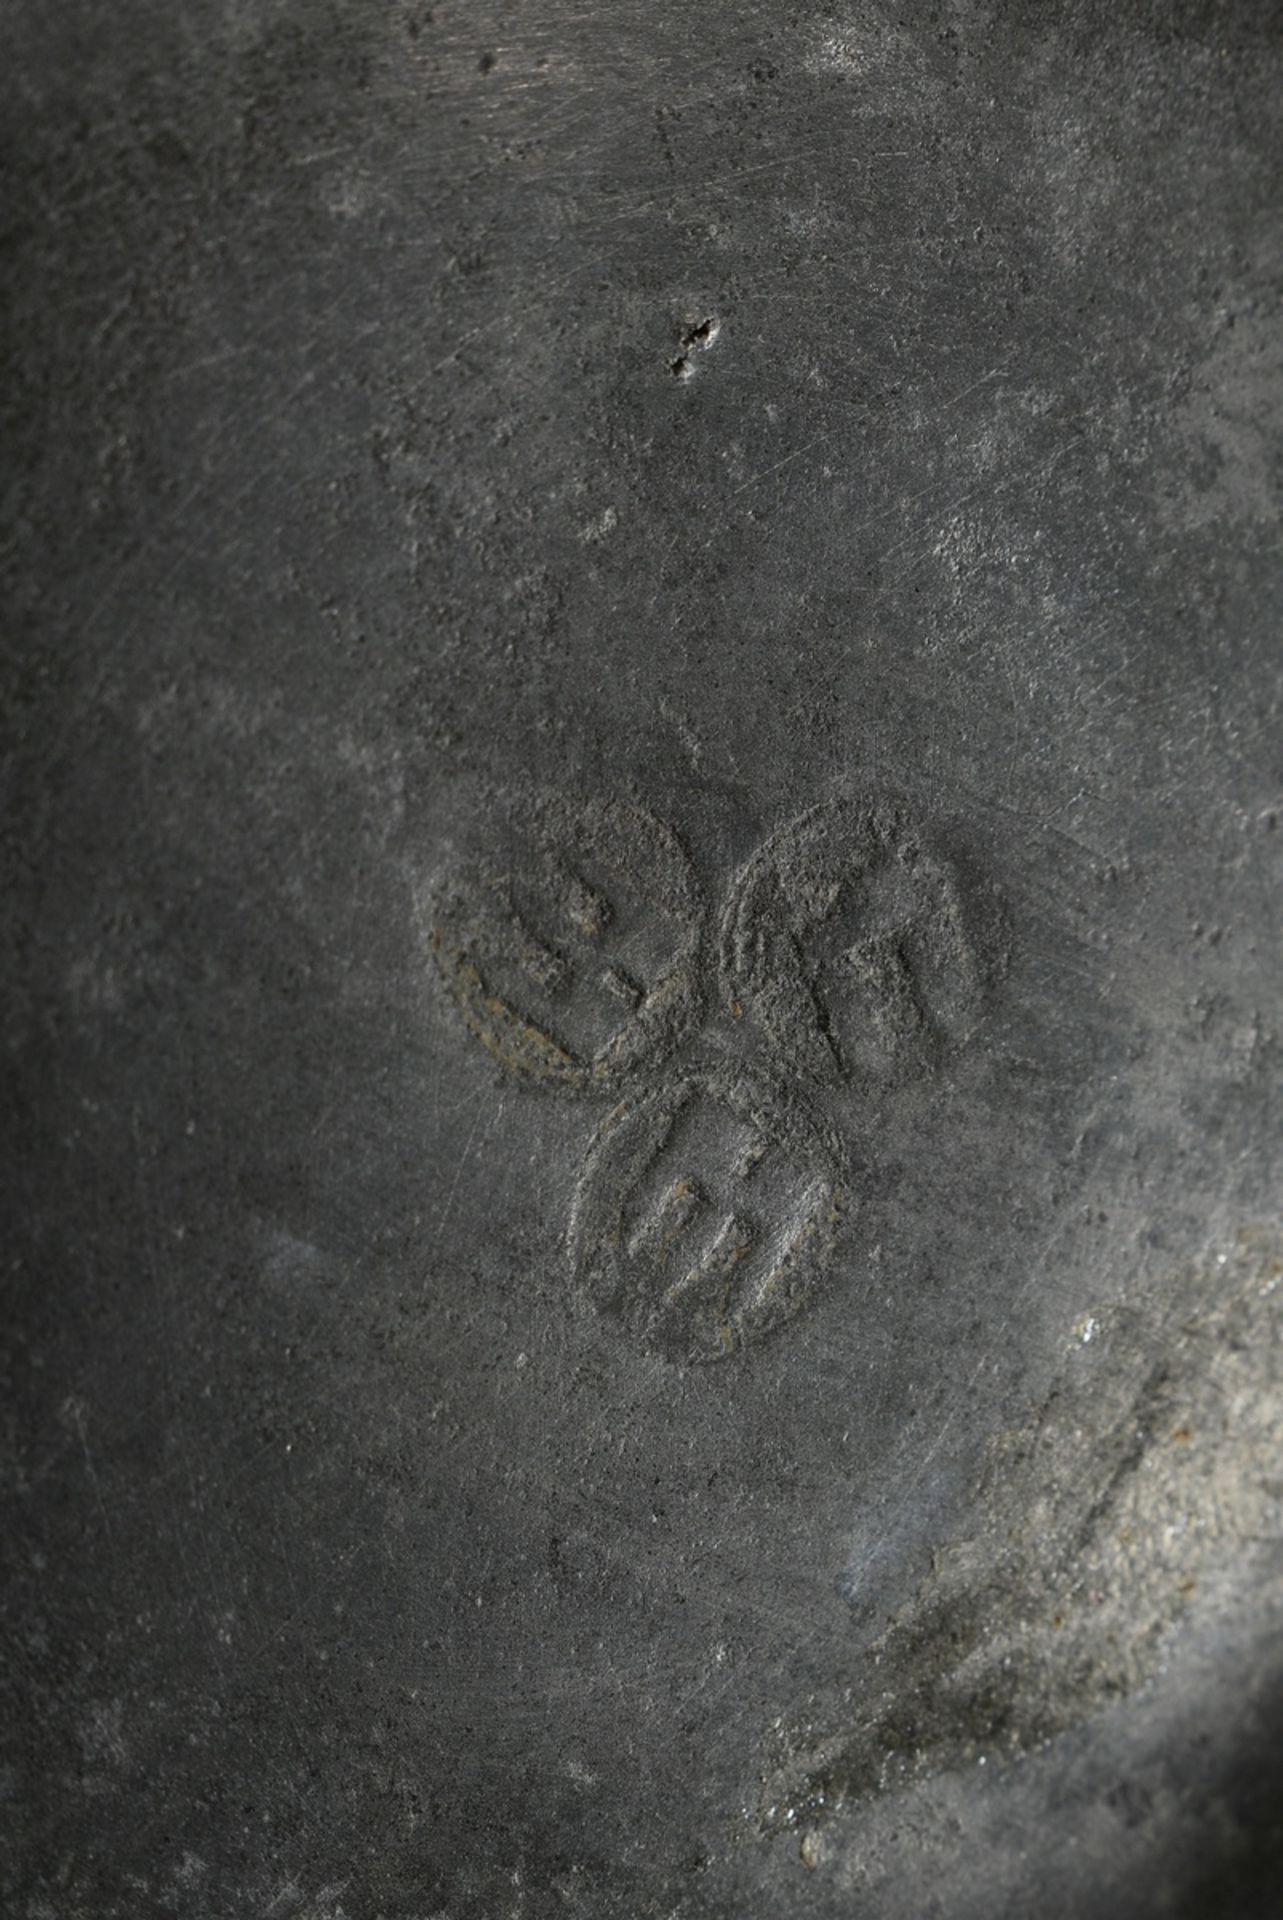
(578, 946)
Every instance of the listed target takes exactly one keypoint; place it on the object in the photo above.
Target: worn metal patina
(643, 961)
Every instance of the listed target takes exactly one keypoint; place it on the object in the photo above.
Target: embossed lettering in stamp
(854, 946)
(570, 944)
(706, 1214)
(852, 941)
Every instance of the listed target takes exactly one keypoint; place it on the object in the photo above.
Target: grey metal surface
(642, 955)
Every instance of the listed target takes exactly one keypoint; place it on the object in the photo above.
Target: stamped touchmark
(570, 948)
(850, 945)
(849, 940)
(705, 1213)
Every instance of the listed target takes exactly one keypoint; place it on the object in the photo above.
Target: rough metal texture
(643, 773)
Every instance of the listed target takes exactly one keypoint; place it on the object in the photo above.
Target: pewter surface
(831, 455)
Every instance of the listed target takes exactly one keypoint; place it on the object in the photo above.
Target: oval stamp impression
(570, 942)
(706, 1214)
(855, 943)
